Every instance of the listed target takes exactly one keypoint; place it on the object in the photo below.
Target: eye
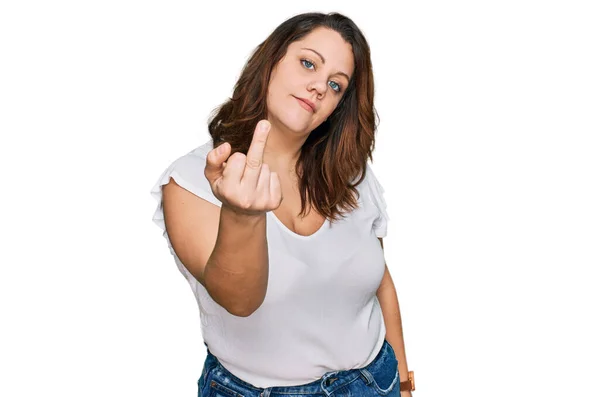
(305, 61)
(336, 87)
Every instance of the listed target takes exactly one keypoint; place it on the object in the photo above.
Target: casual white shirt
(320, 313)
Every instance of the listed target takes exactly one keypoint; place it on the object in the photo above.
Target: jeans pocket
(383, 374)
(385, 386)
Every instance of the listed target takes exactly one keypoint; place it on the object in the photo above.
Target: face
(316, 68)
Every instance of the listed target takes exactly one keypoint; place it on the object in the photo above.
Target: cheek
(328, 109)
(276, 90)
(273, 94)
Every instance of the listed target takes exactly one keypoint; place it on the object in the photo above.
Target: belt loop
(366, 375)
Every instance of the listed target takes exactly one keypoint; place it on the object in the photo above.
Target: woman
(278, 237)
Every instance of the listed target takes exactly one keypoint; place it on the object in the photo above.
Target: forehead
(330, 44)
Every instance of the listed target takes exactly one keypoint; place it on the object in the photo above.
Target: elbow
(244, 311)
(241, 313)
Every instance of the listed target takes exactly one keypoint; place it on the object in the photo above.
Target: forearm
(237, 271)
(388, 299)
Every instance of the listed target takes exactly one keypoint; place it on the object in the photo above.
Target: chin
(294, 122)
(298, 128)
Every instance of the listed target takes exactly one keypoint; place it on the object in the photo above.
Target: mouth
(306, 105)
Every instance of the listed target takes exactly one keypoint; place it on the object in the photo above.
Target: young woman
(275, 223)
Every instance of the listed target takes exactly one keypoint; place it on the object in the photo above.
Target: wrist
(407, 383)
(403, 376)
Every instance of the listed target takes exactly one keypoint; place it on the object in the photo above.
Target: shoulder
(193, 158)
(188, 172)
(374, 192)
(370, 184)
(373, 183)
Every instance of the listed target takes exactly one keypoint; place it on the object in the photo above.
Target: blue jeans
(379, 378)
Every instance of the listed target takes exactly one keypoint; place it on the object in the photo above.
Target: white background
(488, 150)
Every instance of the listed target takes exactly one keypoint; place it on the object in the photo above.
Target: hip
(378, 378)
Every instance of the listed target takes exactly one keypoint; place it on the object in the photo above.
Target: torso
(288, 211)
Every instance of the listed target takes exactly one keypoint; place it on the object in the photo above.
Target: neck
(282, 149)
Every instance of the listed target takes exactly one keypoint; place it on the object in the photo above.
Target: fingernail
(220, 149)
(263, 126)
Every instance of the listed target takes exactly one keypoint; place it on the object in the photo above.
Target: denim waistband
(380, 373)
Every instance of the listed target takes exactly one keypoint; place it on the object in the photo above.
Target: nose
(319, 86)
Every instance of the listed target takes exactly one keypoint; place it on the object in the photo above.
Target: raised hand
(243, 182)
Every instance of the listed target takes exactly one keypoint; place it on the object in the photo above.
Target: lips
(307, 103)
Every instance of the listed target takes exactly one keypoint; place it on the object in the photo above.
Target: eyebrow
(323, 60)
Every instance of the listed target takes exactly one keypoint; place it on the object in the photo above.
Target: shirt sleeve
(188, 172)
(377, 199)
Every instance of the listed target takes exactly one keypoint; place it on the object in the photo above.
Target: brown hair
(336, 152)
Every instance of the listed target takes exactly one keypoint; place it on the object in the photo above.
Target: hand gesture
(243, 182)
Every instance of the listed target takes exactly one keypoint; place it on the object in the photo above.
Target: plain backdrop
(487, 148)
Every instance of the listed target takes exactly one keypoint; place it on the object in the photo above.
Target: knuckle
(253, 163)
(237, 156)
(246, 202)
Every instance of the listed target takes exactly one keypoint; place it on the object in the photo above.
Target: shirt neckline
(296, 235)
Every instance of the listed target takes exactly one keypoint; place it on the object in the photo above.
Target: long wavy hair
(333, 158)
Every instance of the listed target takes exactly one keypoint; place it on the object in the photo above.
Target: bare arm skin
(388, 299)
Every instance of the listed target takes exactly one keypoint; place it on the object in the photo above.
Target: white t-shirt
(320, 313)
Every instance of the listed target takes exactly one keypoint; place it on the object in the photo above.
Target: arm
(225, 251)
(237, 270)
(388, 299)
